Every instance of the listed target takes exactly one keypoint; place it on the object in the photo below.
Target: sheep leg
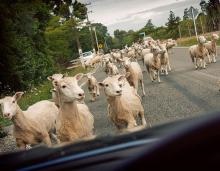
(97, 90)
(142, 86)
(209, 59)
(20, 143)
(143, 120)
(169, 67)
(203, 63)
(213, 57)
(196, 63)
(151, 77)
(158, 76)
(166, 70)
(46, 139)
(131, 124)
(54, 137)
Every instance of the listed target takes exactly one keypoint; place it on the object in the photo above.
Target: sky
(133, 14)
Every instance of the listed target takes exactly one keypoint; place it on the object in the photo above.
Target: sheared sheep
(212, 48)
(75, 121)
(134, 74)
(32, 126)
(199, 52)
(153, 63)
(124, 105)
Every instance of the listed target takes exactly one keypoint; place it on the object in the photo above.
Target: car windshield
(150, 63)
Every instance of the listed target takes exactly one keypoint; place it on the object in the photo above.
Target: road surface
(185, 92)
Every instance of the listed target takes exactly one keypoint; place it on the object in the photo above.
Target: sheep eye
(120, 85)
(13, 101)
(106, 85)
(63, 86)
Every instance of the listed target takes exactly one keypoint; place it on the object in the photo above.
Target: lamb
(75, 121)
(32, 126)
(123, 103)
(134, 74)
(212, 48)
(153, 63)
(199, 52)
(93, 86)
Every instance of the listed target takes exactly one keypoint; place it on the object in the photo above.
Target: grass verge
(189, 41)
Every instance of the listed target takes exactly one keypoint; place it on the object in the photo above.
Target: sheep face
(113, 85)
(215, 36)
(126, 62)
(69, 89)
(202, 39)
(9, 105)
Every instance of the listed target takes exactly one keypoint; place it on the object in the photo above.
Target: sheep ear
(122, 77)
(18, 95)
(79, 76)
(50, 78)
(101, 84)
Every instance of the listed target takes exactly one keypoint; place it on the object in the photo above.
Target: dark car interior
(181, 145)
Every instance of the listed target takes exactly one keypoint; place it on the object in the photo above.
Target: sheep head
(69, 90)
(202, 39)
(9, 105)
(113, 85)
(215, 37)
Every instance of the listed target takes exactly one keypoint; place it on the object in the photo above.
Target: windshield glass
(154, 62)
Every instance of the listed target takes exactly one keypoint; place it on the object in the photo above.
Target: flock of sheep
(68, 119)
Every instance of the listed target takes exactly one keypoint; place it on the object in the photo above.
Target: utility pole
(192, 11)
(201, 25)
(90, 28)
(90, 31)
(179, 32)
(97, 43)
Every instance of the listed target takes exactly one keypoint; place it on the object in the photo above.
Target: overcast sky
(133, 14)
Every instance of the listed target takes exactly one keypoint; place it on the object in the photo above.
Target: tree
(172, 25)
(203, 6)
(186, 14)
(213, 12)
(149, 25)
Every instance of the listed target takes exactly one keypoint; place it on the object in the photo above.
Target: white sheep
(212, 48)
(95, 60)
(164, 59)
(124, 105)
(32, 126)
(199, 52)
(93, 85)
(134, 74)
(75, 121)
(111, 69)
(153, 63)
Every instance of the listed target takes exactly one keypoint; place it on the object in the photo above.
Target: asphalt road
(185, 92)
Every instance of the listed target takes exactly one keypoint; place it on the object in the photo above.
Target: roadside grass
(38, 93)
(189, 41)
